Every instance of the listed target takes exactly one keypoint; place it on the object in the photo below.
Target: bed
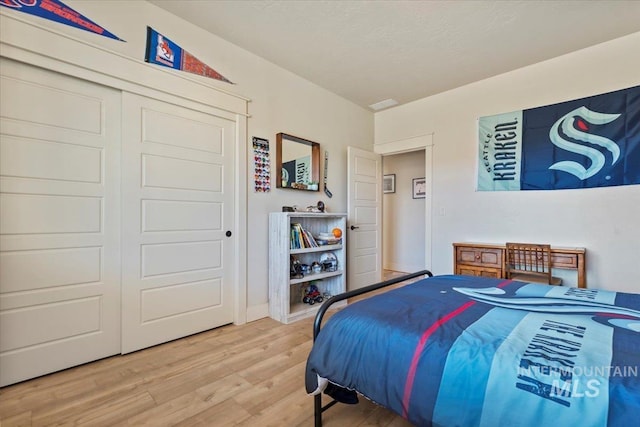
(471, 351)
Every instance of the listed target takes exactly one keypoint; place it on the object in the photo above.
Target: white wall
(403, 224)
(280, 102)
(603, 220)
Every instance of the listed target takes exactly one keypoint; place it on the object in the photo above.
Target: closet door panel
(178, 186)
(59, 221)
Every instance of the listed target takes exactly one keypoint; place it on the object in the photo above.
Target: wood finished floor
(248, 375)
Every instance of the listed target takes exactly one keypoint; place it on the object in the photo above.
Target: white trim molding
(404, 145)
(44, 47)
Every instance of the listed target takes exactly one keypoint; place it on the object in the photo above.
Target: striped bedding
(468, 351)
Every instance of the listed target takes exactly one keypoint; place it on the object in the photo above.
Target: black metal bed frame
(318, 409)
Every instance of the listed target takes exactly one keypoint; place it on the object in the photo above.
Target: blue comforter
(468, 351)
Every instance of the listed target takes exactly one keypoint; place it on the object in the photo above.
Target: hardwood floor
(248, 375)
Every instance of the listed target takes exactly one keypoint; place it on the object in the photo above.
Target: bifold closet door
(59, 221)
(177, 256)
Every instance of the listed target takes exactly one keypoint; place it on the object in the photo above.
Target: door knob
(228, 233)
(353, 227)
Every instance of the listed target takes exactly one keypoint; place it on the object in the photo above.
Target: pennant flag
(55, 10)
(584, 143)
(162, 51)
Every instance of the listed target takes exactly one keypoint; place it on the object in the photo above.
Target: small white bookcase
(286, 293)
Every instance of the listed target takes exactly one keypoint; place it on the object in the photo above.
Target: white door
(364, 200)
(59, 222)
(177, 260)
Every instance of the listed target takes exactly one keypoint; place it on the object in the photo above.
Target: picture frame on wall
(389, 183)
(419, 188)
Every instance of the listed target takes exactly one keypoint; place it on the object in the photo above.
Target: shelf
(301, 310)
(285, 293)
(323, 248)
(300, 307)
(315, 276)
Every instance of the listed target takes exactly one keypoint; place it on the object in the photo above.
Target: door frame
(406, 145)
(52, 50)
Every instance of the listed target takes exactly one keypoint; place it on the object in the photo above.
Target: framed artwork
(389, 183)
(419, 188)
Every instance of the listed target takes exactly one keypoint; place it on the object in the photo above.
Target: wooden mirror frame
(315, 160)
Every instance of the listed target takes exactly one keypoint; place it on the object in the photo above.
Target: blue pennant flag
(55, 10)
(162, 51)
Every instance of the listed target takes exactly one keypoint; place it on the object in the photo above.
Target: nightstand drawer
(487, 257)
(467, 270)
(564, 260)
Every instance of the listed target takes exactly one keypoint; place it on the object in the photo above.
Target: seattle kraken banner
(57, 11)
(588, 142)
(162, 51)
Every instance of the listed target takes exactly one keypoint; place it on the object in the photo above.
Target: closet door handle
(353, 227)
(228, 233)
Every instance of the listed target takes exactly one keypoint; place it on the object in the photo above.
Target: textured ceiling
(368, 51)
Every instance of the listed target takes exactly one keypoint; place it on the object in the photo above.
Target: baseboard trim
(257, 312)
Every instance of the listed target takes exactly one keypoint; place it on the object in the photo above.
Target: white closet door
(177, 208)
(59, 222)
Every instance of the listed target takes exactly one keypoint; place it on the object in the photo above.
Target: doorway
(404, 211)
(372, 163)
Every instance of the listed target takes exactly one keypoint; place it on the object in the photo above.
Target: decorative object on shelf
(316, 268)
(297, 163)
(305, 269)
(288, 209)
(419, 188)
(295, 268)
(312, 295)
(389, 183)
(319, 208)
(262, 172)
(329, 261)
(330, 238)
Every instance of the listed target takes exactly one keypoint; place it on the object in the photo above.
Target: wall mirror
(297, 163)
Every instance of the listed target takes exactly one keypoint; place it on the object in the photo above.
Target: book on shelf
(323, 242)
(310, 239)
(328, 239)
(301, 238)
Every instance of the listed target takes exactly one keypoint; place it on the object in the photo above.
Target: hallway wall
(403, 224)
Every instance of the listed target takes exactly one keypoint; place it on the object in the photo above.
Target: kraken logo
(575, 125)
